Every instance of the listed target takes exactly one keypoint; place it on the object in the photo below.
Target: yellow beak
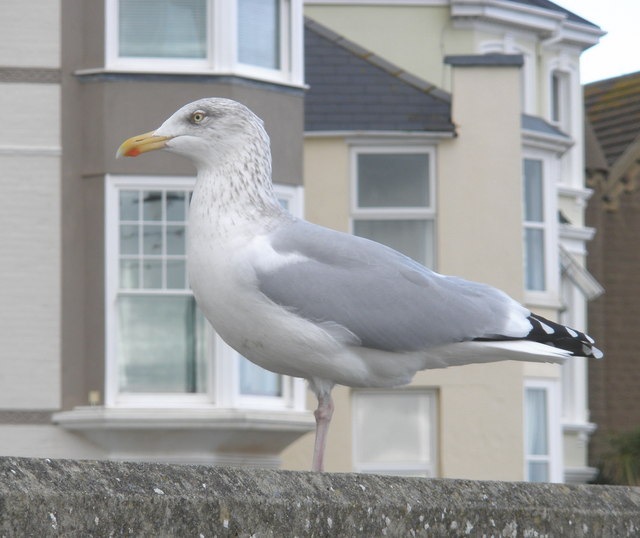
(136, 145)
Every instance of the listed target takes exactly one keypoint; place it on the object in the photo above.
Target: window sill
(581, 429)
(98, 74)
(207, 436)
(534, 300)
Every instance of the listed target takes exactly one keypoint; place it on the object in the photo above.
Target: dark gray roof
(613, 108)
(534, 123)
(546, 4)
(352, 89)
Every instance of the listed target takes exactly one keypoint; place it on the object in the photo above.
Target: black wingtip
(554, 334)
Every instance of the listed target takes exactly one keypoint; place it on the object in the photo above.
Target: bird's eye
(197, 116)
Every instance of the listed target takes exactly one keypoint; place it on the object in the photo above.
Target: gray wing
(387, 300)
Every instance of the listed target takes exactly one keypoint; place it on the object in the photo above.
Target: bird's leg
(323, 415)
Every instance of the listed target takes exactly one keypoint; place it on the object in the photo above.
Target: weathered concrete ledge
(87, 498)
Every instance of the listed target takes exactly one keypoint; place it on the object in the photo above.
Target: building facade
(476, 103)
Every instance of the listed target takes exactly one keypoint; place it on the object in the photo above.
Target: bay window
(253, 38)
(393, 200)
(161, 351)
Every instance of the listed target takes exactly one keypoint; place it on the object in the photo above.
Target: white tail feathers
(473, 352)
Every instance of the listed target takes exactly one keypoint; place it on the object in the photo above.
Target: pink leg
(323, 415)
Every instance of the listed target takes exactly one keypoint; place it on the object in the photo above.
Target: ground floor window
(395, 432)
(160, 348)
(542, 435)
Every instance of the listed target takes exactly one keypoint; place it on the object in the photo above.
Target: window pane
(393, 180)
(538, 471)
(256, 381)
(152, 239)
(393, 427)
(555, 97)
(414, 238)
(534, 260)
(533, 191)
(176, 274)
(152, 274)
(129, 274)
(129, 239)
(259, 33)
(129, 205)
(176, 240)
(159, 343)
(176, 206)
(152, 205)
(537, 426)
(163, 28)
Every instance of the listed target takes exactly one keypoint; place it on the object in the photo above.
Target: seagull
(306, 301)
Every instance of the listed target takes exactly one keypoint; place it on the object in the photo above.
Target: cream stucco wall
(429, 27)
(479, 236)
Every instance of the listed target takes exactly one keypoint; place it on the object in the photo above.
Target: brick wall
(614, 318)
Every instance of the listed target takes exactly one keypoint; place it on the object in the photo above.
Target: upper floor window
(254, 38)
(560, 100)
(160, 349)
(534, 226)
(541, 267)
(393, 199)
(162, 29)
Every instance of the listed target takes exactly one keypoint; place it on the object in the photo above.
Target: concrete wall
(75, 498)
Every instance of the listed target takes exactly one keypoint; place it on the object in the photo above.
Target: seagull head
(204, 131)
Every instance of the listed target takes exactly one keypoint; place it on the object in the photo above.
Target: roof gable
(352, 89)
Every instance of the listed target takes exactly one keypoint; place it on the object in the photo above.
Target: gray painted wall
(99, 111)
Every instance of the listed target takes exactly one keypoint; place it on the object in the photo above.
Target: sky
(619, 51)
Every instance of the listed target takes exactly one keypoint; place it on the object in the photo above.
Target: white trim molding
(202, 436)
(554, 26)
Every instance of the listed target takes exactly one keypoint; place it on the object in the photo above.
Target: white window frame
(223, 362)
(222, 47)
(554, 434)
(408, 468)
(392, 213)
(550, 295)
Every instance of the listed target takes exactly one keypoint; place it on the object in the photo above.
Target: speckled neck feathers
(235, 185)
